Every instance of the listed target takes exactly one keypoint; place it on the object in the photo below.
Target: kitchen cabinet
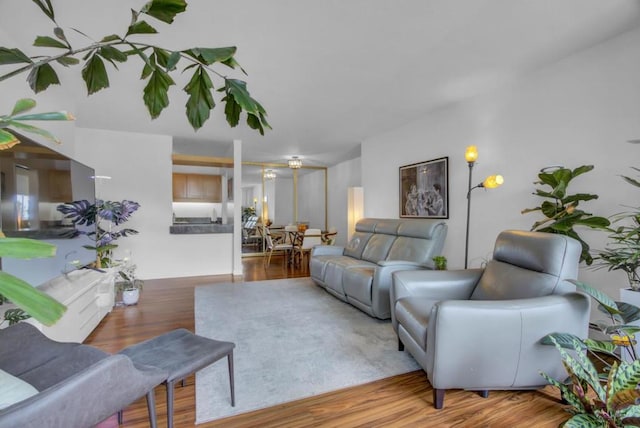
(197, 188)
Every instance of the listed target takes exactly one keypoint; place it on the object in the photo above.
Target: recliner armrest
(86, 398)
(327, 250)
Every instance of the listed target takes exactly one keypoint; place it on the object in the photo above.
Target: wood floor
(399, 401)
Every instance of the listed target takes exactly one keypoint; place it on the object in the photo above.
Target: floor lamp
(491, 182)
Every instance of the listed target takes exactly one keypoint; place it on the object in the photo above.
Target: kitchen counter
(193, 228)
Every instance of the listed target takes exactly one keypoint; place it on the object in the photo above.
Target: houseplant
(623, 251)
(560, 208)
(440, 262)
(128, 285)
(605, 397)
(107, 216)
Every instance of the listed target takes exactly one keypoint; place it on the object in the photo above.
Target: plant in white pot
(128, 284)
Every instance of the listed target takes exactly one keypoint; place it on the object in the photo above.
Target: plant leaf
(155, 92)
(13, 56)
(607, 302)
(564, 340)
(140, 27)
(39, 305)
(41, 77)
(95, 75)
(200, 102)
(46, 8)
(48, 42)
(36, 130)
(22, 105)
(164, 10)
(111, 53)
(23, 248)
(212, 55)
(67, 61)
(7, 140)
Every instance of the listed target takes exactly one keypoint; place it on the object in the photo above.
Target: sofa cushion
(378, 247)
(357, 243)
(335, 269)
(13, 389)
(357, 283)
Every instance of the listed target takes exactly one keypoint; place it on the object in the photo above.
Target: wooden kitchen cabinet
(197, 188)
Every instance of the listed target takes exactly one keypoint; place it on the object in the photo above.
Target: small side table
(181, 353)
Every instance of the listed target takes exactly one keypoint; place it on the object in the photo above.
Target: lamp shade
(471, 154)
(493, 181)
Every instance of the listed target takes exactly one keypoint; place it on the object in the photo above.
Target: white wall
(340, 178)
(582, 110)
(140, 166)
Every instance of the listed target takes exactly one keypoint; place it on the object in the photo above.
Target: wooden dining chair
(276, 245)
(310, 238)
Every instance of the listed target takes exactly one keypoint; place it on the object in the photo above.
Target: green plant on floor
(560, 208)
(605, 397)
(440, 262)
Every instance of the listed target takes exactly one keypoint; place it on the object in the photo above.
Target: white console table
(88, 296)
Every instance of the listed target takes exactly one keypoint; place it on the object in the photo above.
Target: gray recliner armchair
(480, 329)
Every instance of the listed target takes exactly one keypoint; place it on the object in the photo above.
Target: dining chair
(310, 238)
(276, 245)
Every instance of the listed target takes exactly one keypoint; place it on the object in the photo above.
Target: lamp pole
(466, 239)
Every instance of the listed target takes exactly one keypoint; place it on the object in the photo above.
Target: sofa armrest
(477, 342)
(86, 398)
(327, 250)
(432, 284)
(382, 278)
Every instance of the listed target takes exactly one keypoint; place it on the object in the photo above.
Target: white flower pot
(130, 297)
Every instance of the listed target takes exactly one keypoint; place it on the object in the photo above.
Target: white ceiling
(333, 72)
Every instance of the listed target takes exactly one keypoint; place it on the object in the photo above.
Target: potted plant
(623, 251)
(107, 216)
(440, 262)
(605, 397)
(128, 285)
(561, 208)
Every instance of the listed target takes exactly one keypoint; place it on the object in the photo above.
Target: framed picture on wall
(424, 189)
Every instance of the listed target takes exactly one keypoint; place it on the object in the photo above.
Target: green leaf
(41, 77)
(155, 92)
(606, 347)
(35, 130)
(111, 53)
(51, 115)
(581, 170)
(46, 7)
(200, 102)
(628, 312)
(607, 302)
(564, 340)
(238, 90)
(48, 42)
(212, 55)
(13, 56)
(95, 75)
(22, 105)
(59, 33)
(232, 111)
(172, 61)
(584, 420)
(162, 56)
(7, 140)
(39, 305)
(140, 27)
(594, 222)
(110, 38)
(67, 61)
(164, 10)
(23, 248)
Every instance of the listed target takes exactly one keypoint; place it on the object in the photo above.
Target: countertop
(195, 225)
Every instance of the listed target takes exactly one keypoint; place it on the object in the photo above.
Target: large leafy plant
(107, 216)
(602, 395)
(158, 64)
(560, 208)
(623, 250)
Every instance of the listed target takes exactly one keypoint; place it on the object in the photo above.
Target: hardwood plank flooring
(399, 401)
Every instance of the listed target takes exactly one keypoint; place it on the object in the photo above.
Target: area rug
(293, 340)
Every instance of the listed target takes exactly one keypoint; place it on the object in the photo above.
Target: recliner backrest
(529, 264)
(418, 241)
(360, 238)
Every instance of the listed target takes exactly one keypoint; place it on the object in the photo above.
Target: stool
(180, 353)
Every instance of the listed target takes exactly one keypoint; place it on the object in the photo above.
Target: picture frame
(424, 189)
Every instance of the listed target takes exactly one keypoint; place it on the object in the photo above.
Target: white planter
(627, 295)
(130, 297)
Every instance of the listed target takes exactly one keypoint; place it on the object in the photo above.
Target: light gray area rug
(293, 340)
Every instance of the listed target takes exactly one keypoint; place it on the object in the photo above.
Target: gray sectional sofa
(360, 273)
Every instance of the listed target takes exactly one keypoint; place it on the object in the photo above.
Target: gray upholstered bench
(181, 353)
